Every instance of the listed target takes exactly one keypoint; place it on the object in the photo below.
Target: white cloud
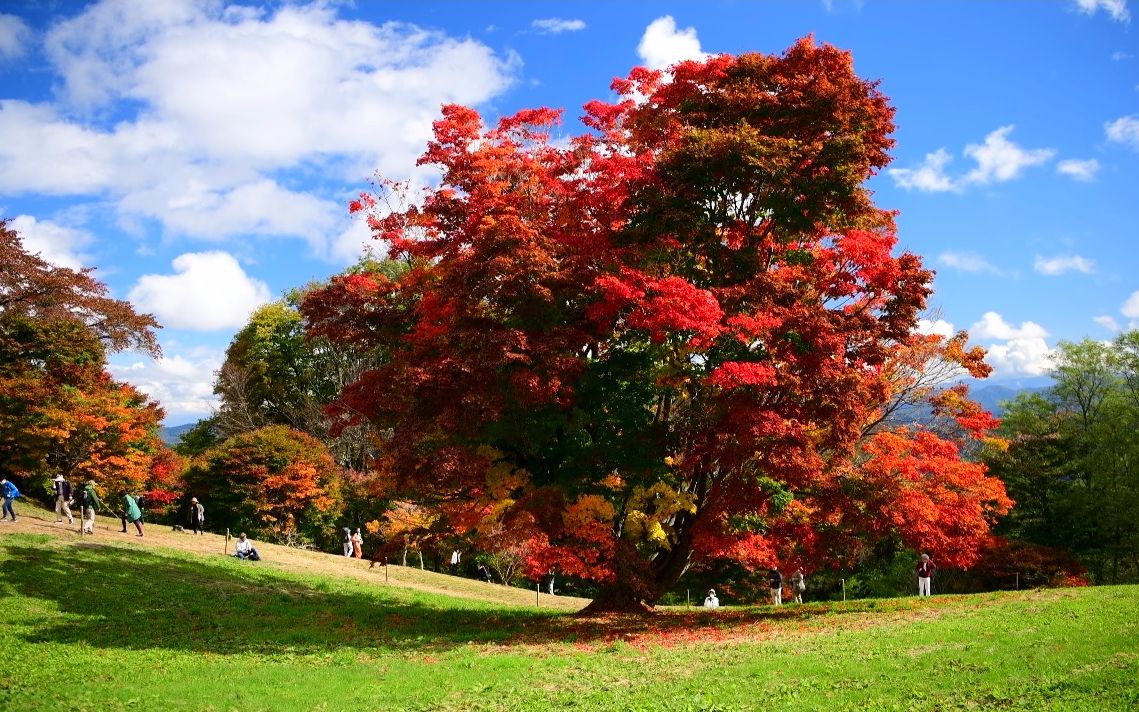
(1000, 160)
(966, 262)
(940, 327)
(929, 177)
(993, 326)
(555, 25)
(1120, 56)
(58, 244)
(1080, 170)
(1130, 309)
(232, 104)
(1124, 130)
(350, 244)
(1107, 322)
(182, 383)
(1117, 9)
(209, 291)
(1015, 351)
(261, 207)
(663, 45)
(1060, 264)
(14, 37)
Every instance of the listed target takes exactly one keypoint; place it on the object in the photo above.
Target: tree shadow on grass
(111, 597)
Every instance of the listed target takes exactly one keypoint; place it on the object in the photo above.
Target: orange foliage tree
(664, 340)
(274, 482)
(60, 411)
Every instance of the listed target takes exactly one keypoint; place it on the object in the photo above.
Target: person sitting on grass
(245, 550)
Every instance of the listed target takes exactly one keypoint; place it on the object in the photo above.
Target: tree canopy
(669, 337)
(60, 411)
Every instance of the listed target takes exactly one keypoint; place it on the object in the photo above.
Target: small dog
(178, 528)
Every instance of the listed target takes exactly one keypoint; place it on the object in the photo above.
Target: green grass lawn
(108, 627)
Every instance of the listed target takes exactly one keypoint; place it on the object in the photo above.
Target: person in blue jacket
(10, 494)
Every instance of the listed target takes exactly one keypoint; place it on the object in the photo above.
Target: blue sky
(201, 155)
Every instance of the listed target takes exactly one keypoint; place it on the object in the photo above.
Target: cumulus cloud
(14, 37)
(966, 262)
(993, 326)
(261, 207)
(940, 327)
(1124, 130)
(229, 103)
(1000, 160)
(208, 291)
(1080, 170)
(556, 25)
(182, 383)
(59, 244)
(663, 45)
(1013, 351)
(1060, 264)
(1116, 9)
(929, 177)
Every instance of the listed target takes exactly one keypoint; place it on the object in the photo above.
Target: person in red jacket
(924, 569)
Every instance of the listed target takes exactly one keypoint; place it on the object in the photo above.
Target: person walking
(775, 581)
(197, 516)
(924, 570)
(357, 544)
(455, 558)
(8, 489)
(89, 504)
(132, 513)
(347, 540)
(798, 584)
(62, 499)
(710, 601)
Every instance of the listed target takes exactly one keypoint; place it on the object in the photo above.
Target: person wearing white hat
(62, 499)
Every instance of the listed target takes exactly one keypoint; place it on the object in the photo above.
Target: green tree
(1073, 460)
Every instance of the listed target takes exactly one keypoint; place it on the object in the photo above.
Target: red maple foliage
(669, 338)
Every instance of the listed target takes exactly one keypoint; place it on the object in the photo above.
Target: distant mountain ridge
(171, 435)
(992, 395)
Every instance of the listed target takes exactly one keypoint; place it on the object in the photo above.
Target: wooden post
(385, 570)
(1017, 580)
(844, 589)
(687, 598)
(537, 592)
(226, 541)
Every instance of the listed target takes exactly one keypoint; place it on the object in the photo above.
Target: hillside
(33, 520)
(114, 622)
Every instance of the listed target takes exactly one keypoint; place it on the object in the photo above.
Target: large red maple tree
(670, 337)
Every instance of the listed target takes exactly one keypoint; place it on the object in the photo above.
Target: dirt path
(33, 520)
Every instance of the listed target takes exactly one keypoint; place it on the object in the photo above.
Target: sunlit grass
(164, 630)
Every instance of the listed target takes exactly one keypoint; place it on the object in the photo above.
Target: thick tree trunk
(617, 598)
(640, 583)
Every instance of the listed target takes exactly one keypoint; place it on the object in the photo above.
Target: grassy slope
(162, 629)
